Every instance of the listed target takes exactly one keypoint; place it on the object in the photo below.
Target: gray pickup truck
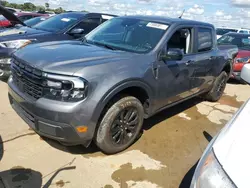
(103, 87)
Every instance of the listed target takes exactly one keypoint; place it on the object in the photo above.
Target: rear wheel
(120, 125)
(218, 88)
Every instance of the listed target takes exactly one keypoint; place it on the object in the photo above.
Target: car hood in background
(243, 53)
(68, 57)
(232, 147)
(10, 16)
(20, 33)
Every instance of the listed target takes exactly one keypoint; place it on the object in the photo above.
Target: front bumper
(52, 119)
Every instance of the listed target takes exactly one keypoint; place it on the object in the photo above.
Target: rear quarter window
(205, 39)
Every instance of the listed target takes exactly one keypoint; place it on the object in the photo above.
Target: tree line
(31, 7)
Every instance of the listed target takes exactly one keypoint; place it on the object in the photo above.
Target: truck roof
(168, 20)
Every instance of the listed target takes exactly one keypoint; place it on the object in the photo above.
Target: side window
(182, 39)
(205, 39)
(88, 24)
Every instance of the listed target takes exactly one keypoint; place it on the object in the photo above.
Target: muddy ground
(164, 156)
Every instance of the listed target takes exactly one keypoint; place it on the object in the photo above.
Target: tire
(111, 130)
(218, 88)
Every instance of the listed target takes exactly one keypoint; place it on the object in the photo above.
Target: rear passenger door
(205, 58)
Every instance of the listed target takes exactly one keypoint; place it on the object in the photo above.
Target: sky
(232, 13)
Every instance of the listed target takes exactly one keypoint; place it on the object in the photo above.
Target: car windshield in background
(241, 41)
(58, 23)
(34, 21)
(128, 34)
(224, 31)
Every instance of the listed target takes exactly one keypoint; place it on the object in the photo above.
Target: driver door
(175, 76)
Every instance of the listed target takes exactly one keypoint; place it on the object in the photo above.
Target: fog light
(82, 129)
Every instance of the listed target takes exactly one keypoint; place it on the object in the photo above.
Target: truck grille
(28, 79)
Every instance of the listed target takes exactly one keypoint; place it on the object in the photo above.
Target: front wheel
(120, 125)
(218, 88)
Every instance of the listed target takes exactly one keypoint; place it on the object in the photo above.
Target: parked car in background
(128, 69)
(33, 21)
(5, 22)
(242, 41)
(224, 30)
(225, 162)
(67, 26)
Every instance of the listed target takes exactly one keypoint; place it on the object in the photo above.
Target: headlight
(15, 44)
(243, 60)
(210, 174)
(64, 88)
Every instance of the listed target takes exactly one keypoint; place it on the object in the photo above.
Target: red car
(242, 41)
(4, 22)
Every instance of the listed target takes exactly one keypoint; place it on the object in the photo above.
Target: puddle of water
(126, 174)
(230, 101)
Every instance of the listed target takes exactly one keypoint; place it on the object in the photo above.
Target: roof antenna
(182, 13)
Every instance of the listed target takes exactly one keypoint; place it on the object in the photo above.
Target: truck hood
(10, 16)
(232, 147)
(20, 33)
(68, 57)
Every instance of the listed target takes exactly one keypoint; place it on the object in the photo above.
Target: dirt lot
(165, 155)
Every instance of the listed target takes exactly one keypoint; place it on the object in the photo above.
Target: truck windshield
(58, 23)
(241, 41)
(128, 34)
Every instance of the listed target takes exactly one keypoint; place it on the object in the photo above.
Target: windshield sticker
(12, 32)
(65, 19)
(106, 17)
(157, 25)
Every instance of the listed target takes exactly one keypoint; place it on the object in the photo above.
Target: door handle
(189, 62)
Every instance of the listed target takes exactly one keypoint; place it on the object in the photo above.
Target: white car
(225, 162)
(224, 30)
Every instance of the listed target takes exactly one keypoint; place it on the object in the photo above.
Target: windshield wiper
(100, 44)
(107, 46)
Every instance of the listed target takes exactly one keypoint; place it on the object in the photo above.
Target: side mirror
(173, 54)
(76, 31)
(245, 73)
